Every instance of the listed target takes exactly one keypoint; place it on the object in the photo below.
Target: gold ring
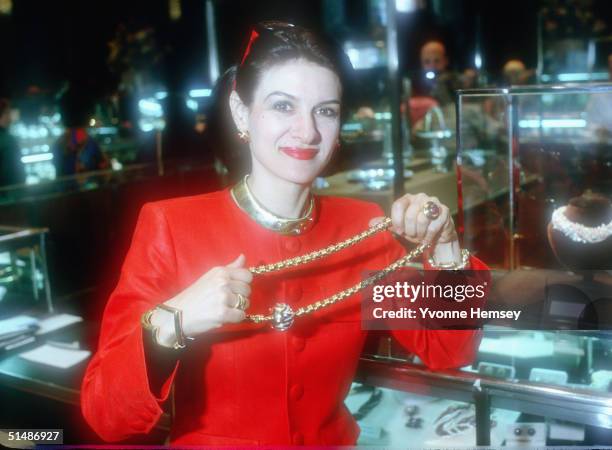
(243, 302)
(431, 210)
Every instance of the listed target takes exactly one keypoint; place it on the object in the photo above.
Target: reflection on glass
(516, 171)
(24, 279)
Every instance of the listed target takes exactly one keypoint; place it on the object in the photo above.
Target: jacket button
(298, 439)
(296, 392)
(292, 245)
(298, 343)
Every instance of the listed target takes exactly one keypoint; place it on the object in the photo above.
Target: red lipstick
(300, 152)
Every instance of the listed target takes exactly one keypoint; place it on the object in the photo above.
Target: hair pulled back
(269, 44)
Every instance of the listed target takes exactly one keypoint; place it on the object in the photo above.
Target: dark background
(46, 43)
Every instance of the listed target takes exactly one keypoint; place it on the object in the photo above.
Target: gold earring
(244, 136)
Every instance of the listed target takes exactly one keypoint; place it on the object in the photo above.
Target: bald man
(433, 57)
(515, 72)
(436, 80)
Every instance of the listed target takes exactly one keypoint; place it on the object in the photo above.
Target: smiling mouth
(300, 153)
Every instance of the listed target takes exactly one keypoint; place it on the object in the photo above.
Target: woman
(238, 383)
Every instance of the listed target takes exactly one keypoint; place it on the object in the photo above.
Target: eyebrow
(284, 94)
(293, 97)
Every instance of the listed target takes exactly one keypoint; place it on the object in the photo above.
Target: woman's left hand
(409, 220)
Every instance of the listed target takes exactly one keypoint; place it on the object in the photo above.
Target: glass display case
(518, 146)
(525, 157)
(24, 278)
(376, 161)
(37, 140)
(525, 389)
(534, 181)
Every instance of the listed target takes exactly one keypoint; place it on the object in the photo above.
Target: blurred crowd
(149, 112)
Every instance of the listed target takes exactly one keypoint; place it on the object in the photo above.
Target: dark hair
(269, 43)
(4, 106)
(76, 107)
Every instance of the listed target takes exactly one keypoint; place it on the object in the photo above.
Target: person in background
(470, 79)
(514, 73)
(433, 57)
(76, 151)
(433, 99)
(436, 79)
(11, 167)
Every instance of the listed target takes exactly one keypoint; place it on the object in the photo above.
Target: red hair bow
(254, 35)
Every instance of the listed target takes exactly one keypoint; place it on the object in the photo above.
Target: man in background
(11, 167)
(514, 73)
(437, 81)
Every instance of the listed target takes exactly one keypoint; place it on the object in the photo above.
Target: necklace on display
(578, 232)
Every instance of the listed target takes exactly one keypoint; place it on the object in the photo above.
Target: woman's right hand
(208, 303)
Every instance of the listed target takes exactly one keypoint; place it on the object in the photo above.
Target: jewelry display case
(535, 189)
(525, 156)
(523, 153)
(24, 278)
(525, 388)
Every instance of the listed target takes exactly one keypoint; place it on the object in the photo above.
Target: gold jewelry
(322, 253)
(242, 195)
(178, 325)
(465, 259)
(431, 210)
(243, 302)
(282, 315)
(244, 136)
(145, 321)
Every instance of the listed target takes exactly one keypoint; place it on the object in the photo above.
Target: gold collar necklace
(246, 201)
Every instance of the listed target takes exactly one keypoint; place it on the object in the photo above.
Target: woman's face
(294, 120)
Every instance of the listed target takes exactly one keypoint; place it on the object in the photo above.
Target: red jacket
(258, 385)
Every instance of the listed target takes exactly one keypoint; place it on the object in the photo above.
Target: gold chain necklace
(282, 315)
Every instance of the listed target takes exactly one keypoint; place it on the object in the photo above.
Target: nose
(305, 129)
